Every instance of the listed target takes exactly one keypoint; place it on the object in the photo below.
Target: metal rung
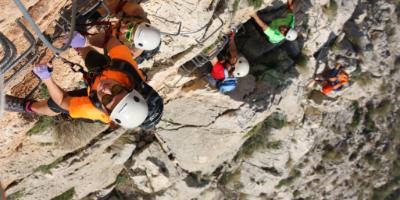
(84, 9)
(34, 89)
(179, 24)
(6, 50)
(199, 61)
(99, 4)
(14, 75)
(29, 37)
(212, 53)
(10, 51)
(39, 33)
(204, 37)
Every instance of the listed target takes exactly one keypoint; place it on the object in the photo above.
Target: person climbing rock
(225, 71)
(116, 95)
(224, 75)
(279, 29)
(335, 79)
(132, 29)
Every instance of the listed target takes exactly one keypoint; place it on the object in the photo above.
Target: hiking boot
(15, 104)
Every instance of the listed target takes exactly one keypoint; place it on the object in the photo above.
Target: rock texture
(273, 138)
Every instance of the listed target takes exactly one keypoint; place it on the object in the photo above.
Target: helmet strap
(96, 101)
(125, 67)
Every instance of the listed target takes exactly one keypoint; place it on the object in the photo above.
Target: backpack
(228, 84)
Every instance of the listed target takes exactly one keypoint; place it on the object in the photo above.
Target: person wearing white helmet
(117, 95)
(133, 102)
(132, 29)
(226, 70)
(140, 35)
(242, 67)
(279, 29)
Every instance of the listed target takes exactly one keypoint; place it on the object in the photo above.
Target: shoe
(15, 104)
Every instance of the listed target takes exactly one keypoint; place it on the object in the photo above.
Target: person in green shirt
(279, 29)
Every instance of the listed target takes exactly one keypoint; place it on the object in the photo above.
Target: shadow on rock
(194, 180)
(272, 65)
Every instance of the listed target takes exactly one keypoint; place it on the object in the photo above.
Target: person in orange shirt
(118, 94)
(132, 29)
(337, 80)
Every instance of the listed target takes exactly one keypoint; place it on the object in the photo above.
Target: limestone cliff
(273, 138)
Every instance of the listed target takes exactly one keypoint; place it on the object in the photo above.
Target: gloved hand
(78, 40)
(42, 71)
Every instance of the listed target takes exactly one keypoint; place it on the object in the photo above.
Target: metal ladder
(39, 33)
(11, 62)
(9, 52)
(83, 8)
(30, 51)
(200, 60)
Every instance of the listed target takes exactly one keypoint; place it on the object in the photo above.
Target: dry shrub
(74, 133)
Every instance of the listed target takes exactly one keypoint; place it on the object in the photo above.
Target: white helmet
(131, 111)
(146, 37)
(291, 35)
(242, 67)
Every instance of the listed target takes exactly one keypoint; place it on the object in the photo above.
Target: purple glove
(42, 71)
(78, 40)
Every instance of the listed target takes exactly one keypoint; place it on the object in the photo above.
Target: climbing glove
(42, 71)
(78, 40)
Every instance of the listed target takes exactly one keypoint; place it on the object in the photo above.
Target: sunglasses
(115, 90)
(129, 33)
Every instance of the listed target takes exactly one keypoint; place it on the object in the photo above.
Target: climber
(336, 80)
(132, 29)
(225, 71)
(117, 95)
(278, 29)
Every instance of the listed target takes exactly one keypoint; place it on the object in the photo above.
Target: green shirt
(273, 33)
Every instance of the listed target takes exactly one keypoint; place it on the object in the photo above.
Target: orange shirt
(342, 79)
(82, 107)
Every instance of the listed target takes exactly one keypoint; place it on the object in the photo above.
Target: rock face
(273, 138)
